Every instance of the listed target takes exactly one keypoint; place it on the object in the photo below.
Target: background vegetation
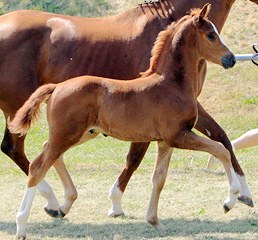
(191, 202)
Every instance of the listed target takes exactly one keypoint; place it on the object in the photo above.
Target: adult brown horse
(117, 108)
(38, 48)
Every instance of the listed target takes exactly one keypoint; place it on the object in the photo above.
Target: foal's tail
(30, 110)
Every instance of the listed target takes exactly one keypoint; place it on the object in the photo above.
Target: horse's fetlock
(153, 220)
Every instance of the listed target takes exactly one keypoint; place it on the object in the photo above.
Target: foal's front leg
(208, 126)
(158, 180)
(189, 140)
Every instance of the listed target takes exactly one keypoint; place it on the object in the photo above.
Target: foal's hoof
(226, 208)
(158, 226)
(114, 215)
(20, 238)
(61, 214)
(246, 200)
(55, 213)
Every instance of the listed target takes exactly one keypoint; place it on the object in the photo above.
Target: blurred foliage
(88, 8)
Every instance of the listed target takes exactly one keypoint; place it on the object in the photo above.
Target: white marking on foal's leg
(234, 190)
(24, 212)
(115, 196)
(244, 187)
(47, 192)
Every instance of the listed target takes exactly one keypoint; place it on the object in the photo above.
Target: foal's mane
(164, 36)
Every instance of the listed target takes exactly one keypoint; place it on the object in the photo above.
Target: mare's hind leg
(158, 181)
(13, 146)
(133, 160)
(189, 140)
(208, 126)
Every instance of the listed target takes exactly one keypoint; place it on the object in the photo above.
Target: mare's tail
(30, 110)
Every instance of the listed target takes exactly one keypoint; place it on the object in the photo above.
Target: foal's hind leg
(69, 189)
(70, 192)
(13, 146)
(208, 126)
(37, 171)
(189, 140)
(134, 158)
(158, 181)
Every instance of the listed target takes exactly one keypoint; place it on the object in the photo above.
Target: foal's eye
(211, 36)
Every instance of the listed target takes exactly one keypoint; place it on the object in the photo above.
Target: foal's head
(210, 45)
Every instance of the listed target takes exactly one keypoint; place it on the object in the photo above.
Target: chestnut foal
(59, 47)
(117, 108)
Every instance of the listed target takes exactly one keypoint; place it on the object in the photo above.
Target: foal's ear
(204, 12)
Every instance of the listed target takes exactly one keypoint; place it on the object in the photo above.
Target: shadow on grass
(133, 230)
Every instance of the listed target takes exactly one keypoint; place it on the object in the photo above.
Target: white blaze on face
(61, 29)
(217, 32)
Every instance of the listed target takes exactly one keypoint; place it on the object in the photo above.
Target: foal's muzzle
(228, 61)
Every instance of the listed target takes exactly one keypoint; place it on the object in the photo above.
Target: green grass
(191, 202)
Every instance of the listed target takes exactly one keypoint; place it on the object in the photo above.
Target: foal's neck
(179, 65)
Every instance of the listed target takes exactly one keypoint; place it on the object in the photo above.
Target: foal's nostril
(228, 61)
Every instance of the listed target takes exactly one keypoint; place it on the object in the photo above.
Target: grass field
(191, 202)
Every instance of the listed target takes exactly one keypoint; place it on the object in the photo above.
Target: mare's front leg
(158, 180)
(186, 139)
(208, 126)
(133, 160)
(13, 146)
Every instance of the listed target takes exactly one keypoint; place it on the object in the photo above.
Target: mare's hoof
(55, 213)
(246, 200)
(226, 208)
